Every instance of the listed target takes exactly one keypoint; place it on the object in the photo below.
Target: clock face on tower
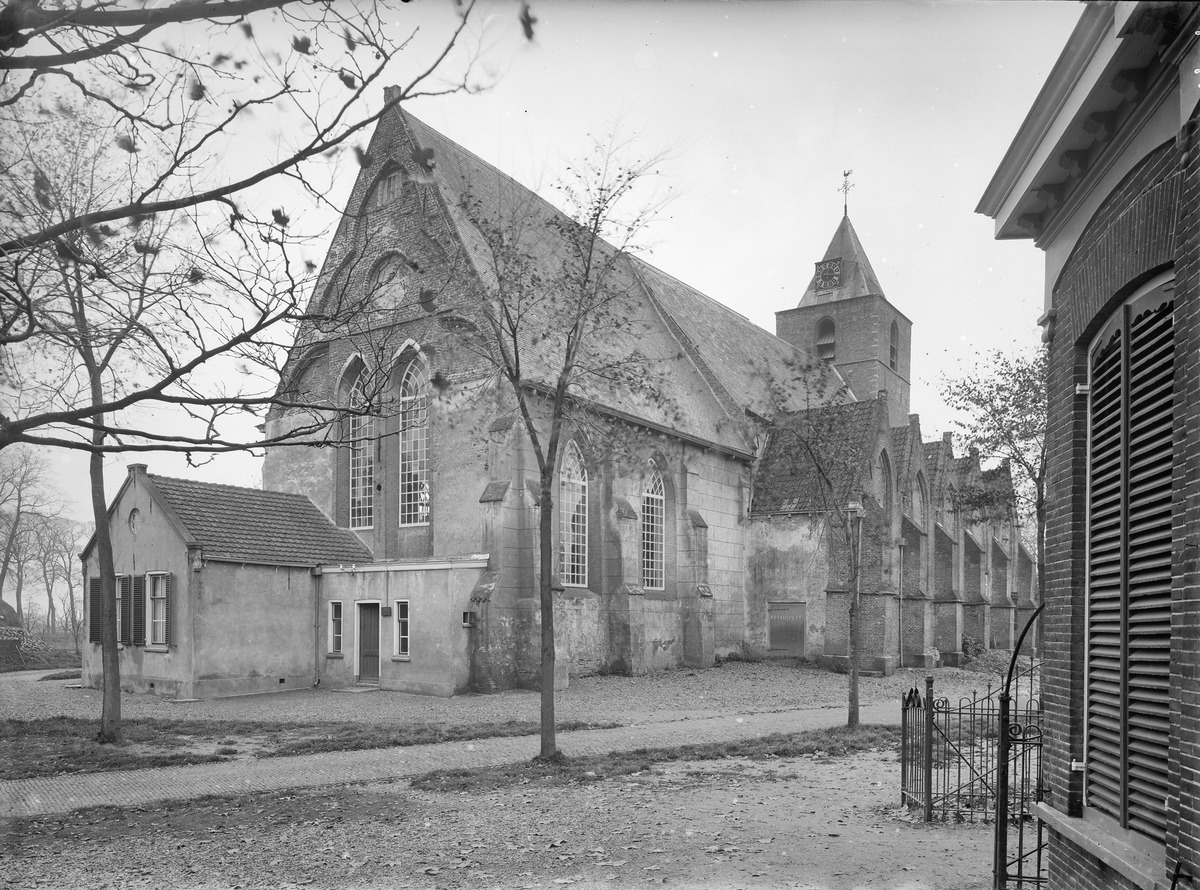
(829, 274)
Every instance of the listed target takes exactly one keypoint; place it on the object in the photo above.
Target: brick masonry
(1148, 224)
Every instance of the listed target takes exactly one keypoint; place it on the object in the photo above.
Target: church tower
(845, 319)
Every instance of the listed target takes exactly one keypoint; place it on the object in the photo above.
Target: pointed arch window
(387, 189)
(573, 513)
(895, 356)
(362, 455)
(885, 481)
(414, 444)
(919, 501)
(826, 339)
(385, 284)
(654, 504)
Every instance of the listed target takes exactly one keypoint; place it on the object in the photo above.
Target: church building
(696, 514)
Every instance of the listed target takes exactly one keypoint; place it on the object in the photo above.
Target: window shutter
(1151, 380)
(95, 629)
(138, 637)
(126, 609)
(1129, 574)
(167, 606)
(1104, 627)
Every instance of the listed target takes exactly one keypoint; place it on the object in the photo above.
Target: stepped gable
(250, 525)
(787, 480)
(857, 277)
(706, 364)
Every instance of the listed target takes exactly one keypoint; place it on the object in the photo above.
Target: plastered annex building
(688, 526)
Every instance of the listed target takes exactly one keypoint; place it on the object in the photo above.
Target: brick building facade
(1103, 175)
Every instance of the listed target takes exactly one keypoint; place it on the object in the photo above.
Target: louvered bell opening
(826, 340)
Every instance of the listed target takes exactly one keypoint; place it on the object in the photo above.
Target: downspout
(316, 627)
(900, 607)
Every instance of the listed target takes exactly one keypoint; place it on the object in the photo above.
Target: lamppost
(854, 510)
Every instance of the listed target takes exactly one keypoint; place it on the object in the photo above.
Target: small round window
(135, 520)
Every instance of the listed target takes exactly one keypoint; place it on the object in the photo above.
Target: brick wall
(1145, 225)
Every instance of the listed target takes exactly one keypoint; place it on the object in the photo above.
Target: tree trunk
(19, 589)
(51, 614)
(110, 710)
(549, 748)
(72, 616)
(852, 715)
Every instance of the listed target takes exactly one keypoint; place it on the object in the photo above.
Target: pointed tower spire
(844, 271)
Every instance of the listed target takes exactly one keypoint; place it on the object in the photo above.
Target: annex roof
(250, 525)
(857, 277)
(842, 437)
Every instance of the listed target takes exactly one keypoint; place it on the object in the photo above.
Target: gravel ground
(731, 688)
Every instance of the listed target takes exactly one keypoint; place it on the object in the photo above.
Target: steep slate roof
(255, 526)
(705, 365)
(787, 480)
(858, 278)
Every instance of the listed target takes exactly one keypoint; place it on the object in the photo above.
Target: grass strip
(835, 742)
(57, 745)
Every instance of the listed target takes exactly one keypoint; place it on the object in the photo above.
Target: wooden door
(368, 642)
(785, 630)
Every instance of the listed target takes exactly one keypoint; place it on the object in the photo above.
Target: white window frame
(156, 580)
(414, 446)
(653, 522)
(117, 601)
(362, 459)
(402, 629)
(335, 628)
(573, 518)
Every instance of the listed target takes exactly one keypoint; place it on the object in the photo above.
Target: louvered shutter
(138, 635)
(95, 622)
(126, 609)
(168, 607)
(1129, 568)
(1151, 378)
(1105, 639)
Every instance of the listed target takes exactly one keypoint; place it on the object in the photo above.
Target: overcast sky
(760, 107)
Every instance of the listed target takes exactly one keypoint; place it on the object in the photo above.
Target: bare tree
(130, 271)
(195, 78)
(549, 330)
(1004, 400)
(23, 495)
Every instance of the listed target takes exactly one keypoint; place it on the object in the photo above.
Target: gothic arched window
(362, 454)
(385, 284)
(414, 444)
(919, 501)
(386, 190)
(895, 359)
(885, 482)
(573, 521)
(653, 526)
(826, 339)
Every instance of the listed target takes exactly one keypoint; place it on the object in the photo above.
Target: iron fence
(950, 752)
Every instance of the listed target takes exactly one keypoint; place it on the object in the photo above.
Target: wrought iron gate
(1019, 859)
(980, 760)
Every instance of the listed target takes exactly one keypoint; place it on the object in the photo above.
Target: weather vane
(845, 190)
